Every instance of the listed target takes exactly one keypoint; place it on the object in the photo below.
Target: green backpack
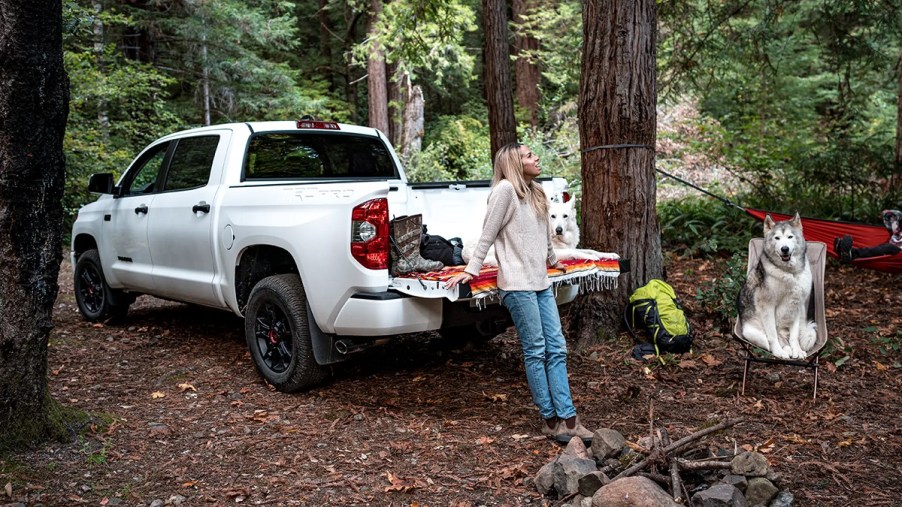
(655, 307)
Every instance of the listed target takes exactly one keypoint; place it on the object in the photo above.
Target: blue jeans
(537, 321)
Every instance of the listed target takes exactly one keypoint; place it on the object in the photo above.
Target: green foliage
(116, 106)
(456, 148)
(704, 226)
(804, 92)
(558, 28)
(426, 38)
(719, 295)
(889, 344)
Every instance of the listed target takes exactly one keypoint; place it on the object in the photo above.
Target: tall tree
(526, 69)
(33, 107)
(617, 129)
(377, 81)
(498, 87)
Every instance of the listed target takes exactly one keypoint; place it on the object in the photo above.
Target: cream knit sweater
(522, 241)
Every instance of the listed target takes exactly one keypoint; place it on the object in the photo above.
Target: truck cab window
(191, 163)
(144, 174)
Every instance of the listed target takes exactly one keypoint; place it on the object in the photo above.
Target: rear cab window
(316, 156)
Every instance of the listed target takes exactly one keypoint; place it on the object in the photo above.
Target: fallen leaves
(495, 397)
(187, 387)
(156, 395)
(401, 484)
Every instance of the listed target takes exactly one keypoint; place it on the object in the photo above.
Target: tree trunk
(526, 72)
(377, 84)
(205, 83)
(498, 89)
(325, 48)
(617, 107)
(413, 124)
(34, 102)
(103, 112)
(395, 104)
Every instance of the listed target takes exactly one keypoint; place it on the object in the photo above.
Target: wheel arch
(82, 243)
(256, 263)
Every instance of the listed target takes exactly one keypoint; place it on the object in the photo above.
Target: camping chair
(817, 254)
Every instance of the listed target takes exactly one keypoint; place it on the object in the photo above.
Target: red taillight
(369, 234)
(566, 196)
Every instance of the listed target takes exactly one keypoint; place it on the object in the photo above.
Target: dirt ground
(182, 416)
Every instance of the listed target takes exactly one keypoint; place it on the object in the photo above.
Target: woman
(516, 223)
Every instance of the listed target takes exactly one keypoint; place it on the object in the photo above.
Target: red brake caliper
(273, 337)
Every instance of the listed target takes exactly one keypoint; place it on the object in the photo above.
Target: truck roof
(286, 125)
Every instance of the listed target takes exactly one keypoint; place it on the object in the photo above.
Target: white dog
(773, 302)
(564, 237)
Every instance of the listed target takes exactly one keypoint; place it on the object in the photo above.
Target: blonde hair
(509, 166)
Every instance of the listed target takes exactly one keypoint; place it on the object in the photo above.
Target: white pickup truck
(283, 223)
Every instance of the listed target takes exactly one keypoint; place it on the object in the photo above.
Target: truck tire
(278, 336)
(96, 300)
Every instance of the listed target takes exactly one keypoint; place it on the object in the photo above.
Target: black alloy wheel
(273, 333)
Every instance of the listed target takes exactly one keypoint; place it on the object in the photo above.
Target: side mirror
(101, 183)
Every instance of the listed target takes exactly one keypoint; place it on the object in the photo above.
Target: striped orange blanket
(590, 275)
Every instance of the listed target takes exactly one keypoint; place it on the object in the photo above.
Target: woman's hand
(462, 277)
(559, 266)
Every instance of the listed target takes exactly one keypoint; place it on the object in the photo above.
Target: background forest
(794, 102)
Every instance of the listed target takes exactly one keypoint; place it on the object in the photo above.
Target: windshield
(317, 156)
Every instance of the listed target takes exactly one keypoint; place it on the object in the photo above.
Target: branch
(701, 465)
(679, 444)
(676, 484)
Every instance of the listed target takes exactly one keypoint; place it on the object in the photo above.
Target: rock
(176, 500)
(545, 478)
(586, 502)
(591, 482)
(632, 492)
(577, 448)
(760, 490)
(736, 480)
(749, 464)
(606, 443)
(719, 495)
(774, 477)
(156, 503)
(576, 501)
(568, 470)
(784, 499)
(114, 501)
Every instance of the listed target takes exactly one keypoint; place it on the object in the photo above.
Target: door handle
(141, 209)
(202, 207)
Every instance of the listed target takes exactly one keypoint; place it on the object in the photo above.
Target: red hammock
(827, 230)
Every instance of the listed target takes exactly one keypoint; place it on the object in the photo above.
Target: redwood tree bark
(377, 83)
(617, 131)
(498, 88)
(34, 101)
(526, 71)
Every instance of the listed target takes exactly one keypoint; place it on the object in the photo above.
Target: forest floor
(181, 416)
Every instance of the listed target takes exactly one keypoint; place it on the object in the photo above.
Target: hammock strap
(702, 190)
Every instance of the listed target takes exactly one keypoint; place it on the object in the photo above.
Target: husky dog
(564, 231)
(773, 303)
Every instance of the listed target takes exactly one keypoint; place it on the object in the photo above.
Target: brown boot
(549, 426)
(571, 427)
